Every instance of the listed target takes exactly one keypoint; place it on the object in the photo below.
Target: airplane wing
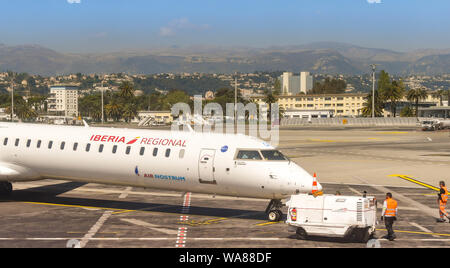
(12, 172)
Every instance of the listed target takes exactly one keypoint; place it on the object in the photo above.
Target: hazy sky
(114, 25)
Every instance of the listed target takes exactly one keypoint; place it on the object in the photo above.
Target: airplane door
(206, 166)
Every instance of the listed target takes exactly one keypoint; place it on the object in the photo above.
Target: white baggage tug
(351, 217)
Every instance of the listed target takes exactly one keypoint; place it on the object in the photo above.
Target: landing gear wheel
(273, 210)
(5, 188)
(301, 234)
(275, 215)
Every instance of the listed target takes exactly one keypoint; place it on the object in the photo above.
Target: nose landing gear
(5, 188)
(273, 210)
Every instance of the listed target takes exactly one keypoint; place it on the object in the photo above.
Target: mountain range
(320, 57)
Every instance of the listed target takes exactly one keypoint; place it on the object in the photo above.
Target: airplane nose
(319, 186)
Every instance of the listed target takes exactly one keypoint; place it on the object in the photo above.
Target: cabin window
(167, 152)
(50, 144)
(114, 149)
(155, 152)
(182, 153)
(248, 155)
(75, 146)
(142, 151)
(100, 148)
(17, 142)
(63, 144)
(273, 155)
(38, 144)
(5, 142)
(88, 147)
(28, 143)
(128, 150)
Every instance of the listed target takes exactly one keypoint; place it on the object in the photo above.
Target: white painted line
(423, 229)
(125, 193)
(95, 228)
(150, 226)
(425, 209)
(355, 191)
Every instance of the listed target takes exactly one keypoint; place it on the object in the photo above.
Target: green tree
(126, 90)
(379, 105)
(174, 97)
(90, 106)
(439, 94)
(392, 92)
(329, 86)
(129, 111)
(271, 97)
(407, 112)
(114, 110)
(416, 95)
(226, 95)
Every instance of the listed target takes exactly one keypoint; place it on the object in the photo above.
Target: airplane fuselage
(179, 161)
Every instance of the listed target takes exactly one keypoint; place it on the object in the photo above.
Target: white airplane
(219, 164)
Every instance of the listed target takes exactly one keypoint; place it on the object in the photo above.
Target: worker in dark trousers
(389, 215)
(442, 201)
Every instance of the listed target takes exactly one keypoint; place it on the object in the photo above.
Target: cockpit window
(248, 155)
(273, 155)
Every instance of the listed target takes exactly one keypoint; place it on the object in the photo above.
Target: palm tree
(270, 97)
(407, 112)
(25, 112)
(126, 90)
(129, 112)
(114, 110)
(379, 105)
(439, 94)
(416, 95)
(393, 93)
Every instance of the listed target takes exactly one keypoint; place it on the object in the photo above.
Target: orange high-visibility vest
(444, 197)
(391, 210)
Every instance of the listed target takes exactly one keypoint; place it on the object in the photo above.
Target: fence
(357, 122)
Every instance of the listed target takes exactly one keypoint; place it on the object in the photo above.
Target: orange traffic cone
(315, 189)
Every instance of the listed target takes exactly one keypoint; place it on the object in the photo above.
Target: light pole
(235, 98)
(103, 113)
(12, 98)
(374, 66)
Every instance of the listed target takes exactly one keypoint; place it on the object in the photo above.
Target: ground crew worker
(389, 215)
(442, 200)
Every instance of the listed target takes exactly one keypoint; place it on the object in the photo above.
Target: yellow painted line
(125, 211)
(408, 178)
(393, 132)
(72, 206)
(316, 140)
(268, 223)
(412, 232)
(205, 222)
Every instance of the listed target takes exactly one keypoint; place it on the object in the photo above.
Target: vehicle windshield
(248, 155)
(272, 155)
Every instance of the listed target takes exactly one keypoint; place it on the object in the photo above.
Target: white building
(294, 85)
(306, 82)
(63, 100)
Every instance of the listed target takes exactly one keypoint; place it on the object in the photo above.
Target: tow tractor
(351, 217)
